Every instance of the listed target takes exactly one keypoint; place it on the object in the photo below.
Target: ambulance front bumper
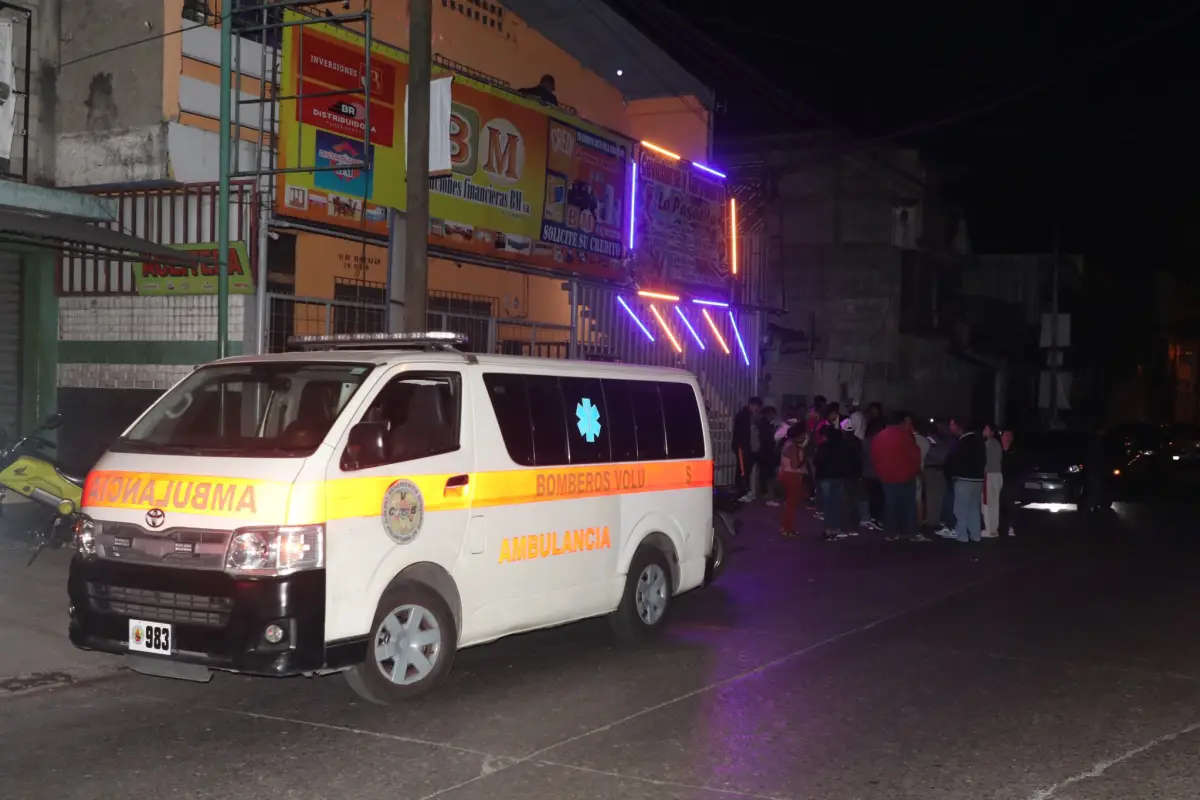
(216, 620)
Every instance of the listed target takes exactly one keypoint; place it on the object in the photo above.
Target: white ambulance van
(374, 503)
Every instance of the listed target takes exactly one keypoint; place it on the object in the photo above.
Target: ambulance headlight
(85, 537)
(275, 551)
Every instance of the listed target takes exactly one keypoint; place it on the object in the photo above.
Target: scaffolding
(261, 27)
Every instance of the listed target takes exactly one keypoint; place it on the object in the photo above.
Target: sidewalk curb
(25, 685)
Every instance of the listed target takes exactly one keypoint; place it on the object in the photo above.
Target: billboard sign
(681, 224)
(527, 182)
(154, 279)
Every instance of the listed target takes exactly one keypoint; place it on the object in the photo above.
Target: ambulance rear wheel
(411, 646)
(646, 599)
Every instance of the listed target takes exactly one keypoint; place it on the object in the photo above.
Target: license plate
(1032, 485)
(150, 637)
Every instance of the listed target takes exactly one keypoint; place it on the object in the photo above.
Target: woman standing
(793, 469)
(993, 482)
(1008, 465)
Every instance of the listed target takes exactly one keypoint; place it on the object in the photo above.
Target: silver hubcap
(651, 594)
(407, 644)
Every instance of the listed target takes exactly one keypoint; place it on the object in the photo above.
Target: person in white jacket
(993, 482)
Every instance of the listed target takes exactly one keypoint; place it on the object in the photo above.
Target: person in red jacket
(897, 461)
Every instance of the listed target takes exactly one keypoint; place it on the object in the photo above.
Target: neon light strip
(633, 317)
(660, 296)
(674, 342)
(712, 326)
(632, 205)
(733, 235)
(662, 151)
(738, 334)
(691, 330)
(709, 170)
(716, 303)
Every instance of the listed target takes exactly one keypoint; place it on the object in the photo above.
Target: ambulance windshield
(282, 409)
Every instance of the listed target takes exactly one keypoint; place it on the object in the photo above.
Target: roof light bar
(738, 334)
(674, 342)
(377, 340)
(634, 317)
(662, 151)
(674, 298)
(709, 170)
(712, 326)
(691, 330)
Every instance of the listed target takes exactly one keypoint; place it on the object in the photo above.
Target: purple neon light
(738, 334)
(633, 205)
(633, 317)
(716, 303)
(709, 170)
(691, 330)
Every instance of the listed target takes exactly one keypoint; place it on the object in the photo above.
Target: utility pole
(420, 68)
(223, 170)
(1055, 353)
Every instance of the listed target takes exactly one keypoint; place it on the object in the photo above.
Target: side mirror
(366, 447)
(53, 421)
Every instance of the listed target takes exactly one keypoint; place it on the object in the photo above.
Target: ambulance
(372, 503)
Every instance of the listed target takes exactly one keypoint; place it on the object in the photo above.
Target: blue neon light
(691, 330)
(634, 317)
(633, 205)
(738, 334)
(709, 170)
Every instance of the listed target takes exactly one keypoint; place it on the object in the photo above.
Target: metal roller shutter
(10, 342)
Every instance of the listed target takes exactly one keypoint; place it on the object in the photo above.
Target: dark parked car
(1049, 470)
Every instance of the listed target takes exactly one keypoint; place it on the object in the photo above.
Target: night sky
(1051, 116)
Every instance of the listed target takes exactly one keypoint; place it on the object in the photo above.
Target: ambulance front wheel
(646, 598)
(410, 648)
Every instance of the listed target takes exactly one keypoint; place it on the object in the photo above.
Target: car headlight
(85, 537)
(1075, 469)
(275, 551)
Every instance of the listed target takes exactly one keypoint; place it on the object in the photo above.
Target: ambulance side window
(588, 422)
(550, 448)
(511, 404)
(422, 412)
(622, 430)
(648, 418)
(685, 431)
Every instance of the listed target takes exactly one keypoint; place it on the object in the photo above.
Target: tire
(406, 604)
(719, 556)
(628, 623)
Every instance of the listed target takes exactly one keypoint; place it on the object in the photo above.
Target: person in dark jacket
(966, 465)
(838, 460)
(745, 434)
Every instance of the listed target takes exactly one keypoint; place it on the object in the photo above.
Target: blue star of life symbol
(589, 419)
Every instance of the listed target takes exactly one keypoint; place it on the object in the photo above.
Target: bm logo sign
(496, 147)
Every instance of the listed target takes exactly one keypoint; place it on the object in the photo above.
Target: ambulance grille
(185, 609)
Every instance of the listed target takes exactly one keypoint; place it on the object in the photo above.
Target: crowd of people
(867, 470)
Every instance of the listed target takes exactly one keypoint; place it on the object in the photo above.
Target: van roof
(518, 363)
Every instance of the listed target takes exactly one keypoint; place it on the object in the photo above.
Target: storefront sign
(682, 225)
(525, 185)
(154, 279)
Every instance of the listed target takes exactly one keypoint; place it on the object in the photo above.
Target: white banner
(439, 126)
(8, 99)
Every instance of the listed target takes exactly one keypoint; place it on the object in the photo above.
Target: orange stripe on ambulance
(547, 545)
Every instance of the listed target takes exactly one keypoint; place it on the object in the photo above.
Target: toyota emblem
(155, 518)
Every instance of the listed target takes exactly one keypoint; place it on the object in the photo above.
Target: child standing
(793, 468)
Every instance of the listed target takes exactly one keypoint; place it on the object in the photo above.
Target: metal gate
(289, 315)
(714, 343)
(10, 343)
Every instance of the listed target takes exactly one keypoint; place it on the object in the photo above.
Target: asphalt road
(1064, 664)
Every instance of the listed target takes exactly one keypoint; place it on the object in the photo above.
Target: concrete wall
(831, 223)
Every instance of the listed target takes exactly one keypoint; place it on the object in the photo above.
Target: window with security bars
(489, 15)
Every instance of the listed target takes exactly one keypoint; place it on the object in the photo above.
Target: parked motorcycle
(32, 474)
(726, 526)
